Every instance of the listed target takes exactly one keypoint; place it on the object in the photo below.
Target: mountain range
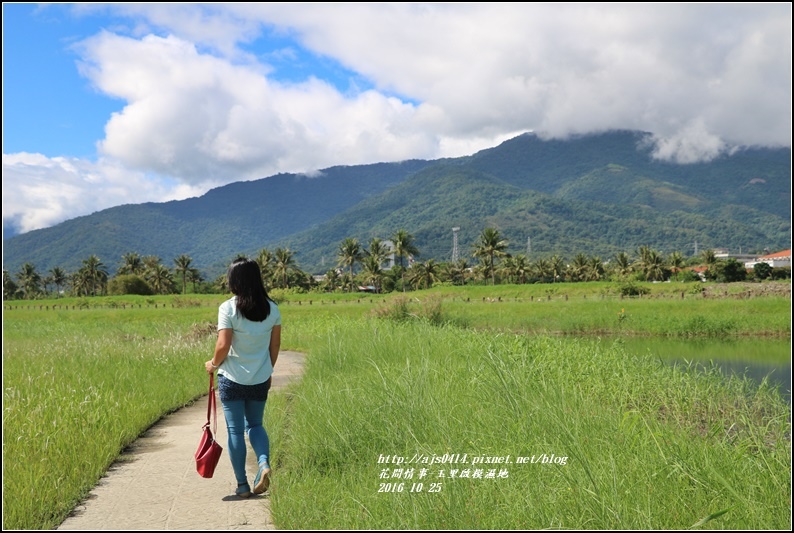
(596, 194)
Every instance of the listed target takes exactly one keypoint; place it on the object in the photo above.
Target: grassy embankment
(73, 400)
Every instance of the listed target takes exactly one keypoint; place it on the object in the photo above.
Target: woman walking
(249, 339)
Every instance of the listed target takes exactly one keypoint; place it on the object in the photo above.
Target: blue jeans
(245, 416)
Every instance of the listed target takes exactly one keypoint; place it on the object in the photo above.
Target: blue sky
(107, 104)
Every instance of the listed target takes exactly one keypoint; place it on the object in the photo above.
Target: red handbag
(209, 451)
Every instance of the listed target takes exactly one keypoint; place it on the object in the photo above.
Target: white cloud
(202, 119)
(478, 71)
(446, 79)
(39, 191)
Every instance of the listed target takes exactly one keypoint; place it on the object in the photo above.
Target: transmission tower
(455, 252)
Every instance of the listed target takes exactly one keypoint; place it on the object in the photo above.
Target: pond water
(755, 358)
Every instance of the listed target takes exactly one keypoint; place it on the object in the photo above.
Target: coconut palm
(149, 262)
(676, 262)
(622, 265)
(492, 246)
(542, 268)
(283, 263)
(595, 269)
(372, 271)
(194, 277)
(9, 287)
(404, 247)
(577, 270)
(183, 268)
(378, 250)
(655, 268)
(556, 267)
(709, 257)
(348, 254)
(80, 283)
(29, 280)
(455, 272)
(423, 275)
(95, 273)
(59, 279)
(520, 267)
(332, 280)
(265, 261)
(132, 263)
(160, 279)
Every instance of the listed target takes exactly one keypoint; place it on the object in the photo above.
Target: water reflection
(755, 358)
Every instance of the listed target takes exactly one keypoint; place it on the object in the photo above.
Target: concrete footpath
(155, 484)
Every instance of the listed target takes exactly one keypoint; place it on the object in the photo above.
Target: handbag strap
(212, 408)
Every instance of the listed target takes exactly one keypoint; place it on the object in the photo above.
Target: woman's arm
(275, 344)
(221, 350)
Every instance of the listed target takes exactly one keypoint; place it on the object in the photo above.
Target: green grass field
(445, 371)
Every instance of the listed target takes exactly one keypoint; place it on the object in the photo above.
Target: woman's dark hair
(245, 282)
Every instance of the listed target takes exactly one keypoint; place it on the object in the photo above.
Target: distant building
(389, 263)
(776, 260)
(741, 258)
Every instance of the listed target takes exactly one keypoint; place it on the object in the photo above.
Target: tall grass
(78, 387)
(648, 446)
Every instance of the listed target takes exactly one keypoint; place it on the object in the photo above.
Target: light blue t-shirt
(248, 362)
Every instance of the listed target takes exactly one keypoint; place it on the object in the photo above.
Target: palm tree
(372, 271)
(490, 245)
(81, 284)
(521, 267)
(29, 280)
(150, 262)
(59, 279)
(284, 262)
(349, 254)
(160, 279)
(556, 267)
(194, 276)
(676, 262)
(595, 269)
(132, 264)
(183, 267)
(46, 281)
(577, 270)
(9, 287)
(265, 261)
(622, 264)
(404, 247)
(709, 257)
(423, 275)
(455, 272)
(332, 280)
(542, 268)
(643, 253)
(95, 273)
(655, 268)
(378, 250)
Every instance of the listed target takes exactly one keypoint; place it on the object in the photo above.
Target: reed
(647, 445)
(78, 389)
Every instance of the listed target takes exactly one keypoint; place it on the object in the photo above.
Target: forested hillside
(596, 194)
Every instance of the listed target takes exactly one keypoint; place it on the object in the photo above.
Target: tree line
(381, 266)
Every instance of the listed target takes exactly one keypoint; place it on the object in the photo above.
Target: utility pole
(455, 252)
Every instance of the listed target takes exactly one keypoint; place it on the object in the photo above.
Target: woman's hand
(222, 347)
